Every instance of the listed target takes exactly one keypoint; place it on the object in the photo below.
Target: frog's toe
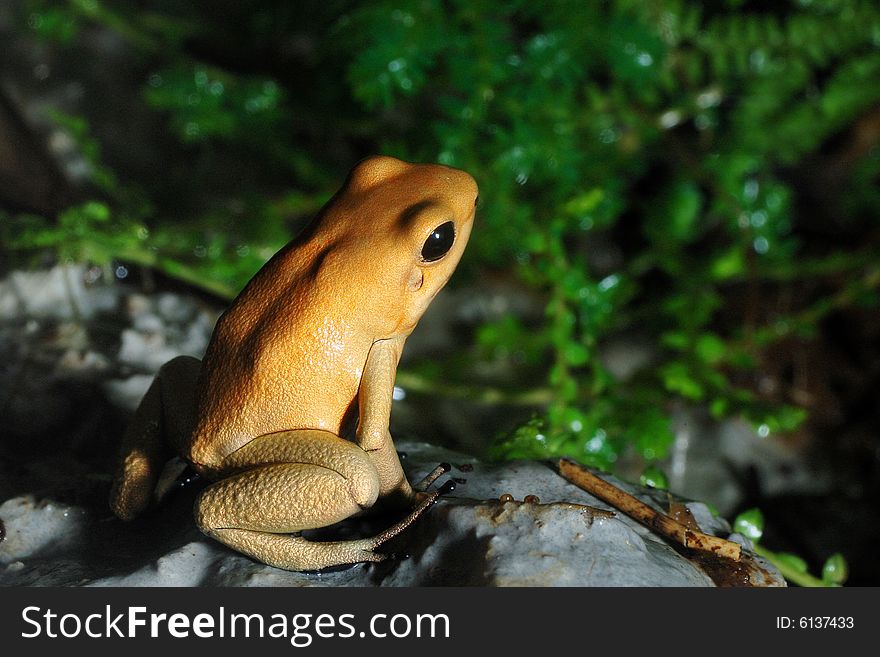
(433, 476)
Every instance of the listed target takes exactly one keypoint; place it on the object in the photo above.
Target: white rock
(38, 529)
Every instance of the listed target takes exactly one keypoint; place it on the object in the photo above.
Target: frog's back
(283, 356)
(290, 351)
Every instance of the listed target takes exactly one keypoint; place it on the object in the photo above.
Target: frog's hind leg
(159, 426)
(308, 479)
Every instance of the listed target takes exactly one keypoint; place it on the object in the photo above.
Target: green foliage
(80, 233)
(750, 524)
(654, 478)
(835, 571)
(670, 130)
(206, 103)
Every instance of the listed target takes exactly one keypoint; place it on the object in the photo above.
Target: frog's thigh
(254, 511)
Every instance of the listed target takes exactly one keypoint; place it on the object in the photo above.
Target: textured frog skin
(308, 347)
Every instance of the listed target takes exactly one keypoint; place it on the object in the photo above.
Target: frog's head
(404, 228)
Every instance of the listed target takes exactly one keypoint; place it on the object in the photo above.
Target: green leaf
(677, 378)
(674, 218)
(792, 561)
(835, 570)
(711, 348)
(729, 264)
(576, 354)
(750, 524)
(654, 477)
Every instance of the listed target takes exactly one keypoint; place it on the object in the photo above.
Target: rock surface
(76, 358)
(468, 538)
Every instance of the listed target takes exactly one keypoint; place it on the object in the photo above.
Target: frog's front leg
(159, 429)
(374, 412)
(283, 483)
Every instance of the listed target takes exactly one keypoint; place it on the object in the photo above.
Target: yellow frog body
(306, 352)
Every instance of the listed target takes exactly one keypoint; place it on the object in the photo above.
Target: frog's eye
(439, 242)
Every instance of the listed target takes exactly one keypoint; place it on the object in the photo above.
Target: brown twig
(638, 510)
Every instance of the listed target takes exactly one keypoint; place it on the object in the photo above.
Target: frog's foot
(432, 476)
(426, 501)
(175, 474)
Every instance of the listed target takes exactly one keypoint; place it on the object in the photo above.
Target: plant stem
(791, 574)
(478, 394)
(178, 271)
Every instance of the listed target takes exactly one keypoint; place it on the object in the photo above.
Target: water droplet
(669, 119)
(750, 189)
(396, 64)
(398, 394)
(596, 443)
(708, 98)
(608, 136)
(761, 245)
(403, 17)
(155, 80)
(763, 431)
(645, 59)
(522, 178)
(758, 218)
(609, 282)
(758, 60)
(200, 251)
(41, 71)
(121, 272)
(242, 251)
